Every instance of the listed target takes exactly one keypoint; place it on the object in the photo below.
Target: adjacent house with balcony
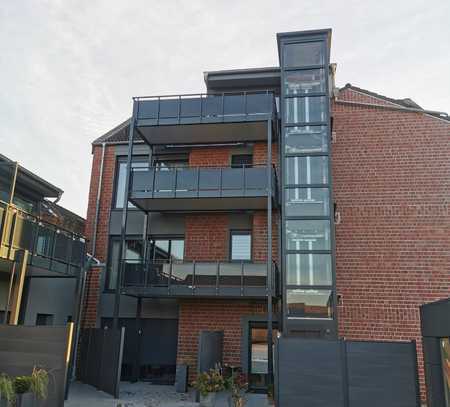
(272, 204)
(42, 250)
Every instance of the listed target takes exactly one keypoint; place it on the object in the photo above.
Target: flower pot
(25, 400)
(208, 401)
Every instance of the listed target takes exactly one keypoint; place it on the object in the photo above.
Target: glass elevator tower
(309, 296)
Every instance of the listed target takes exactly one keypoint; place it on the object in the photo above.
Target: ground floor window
(445, 352)
(258, 355)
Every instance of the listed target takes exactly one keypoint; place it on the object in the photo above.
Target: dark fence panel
(382, 374)
(309, 373)
(319, 373)
(100, 359)
(47, 347)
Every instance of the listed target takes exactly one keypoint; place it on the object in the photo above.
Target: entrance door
(258, 355)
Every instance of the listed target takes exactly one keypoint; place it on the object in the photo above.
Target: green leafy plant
(210, 382)
(237, 385)
(22, 384)
(39, 383)
(6, 389)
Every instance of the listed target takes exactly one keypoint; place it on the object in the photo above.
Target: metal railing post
(193, 277)
(223, 107)
(242, 278)
(217, 277)
(179, 108)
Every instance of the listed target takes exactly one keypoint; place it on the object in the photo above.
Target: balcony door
(162, 252)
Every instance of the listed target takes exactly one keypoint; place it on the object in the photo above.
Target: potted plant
(6, 391)
(237, 385)
(22, 391)
(208, 384)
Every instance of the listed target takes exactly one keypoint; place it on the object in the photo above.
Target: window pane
(445, 352)
(310, 303)
(307, 202)
(239, 160)
(161, 250)
(121, 178)
(241, 246)
(306, 139)
(308, 269)
(177, 250)
(308, 234)
(307, 170)
(306, 109)
(303, 54)
(304, 82)
(113, 268)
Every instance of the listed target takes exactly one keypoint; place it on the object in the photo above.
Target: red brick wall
(206, 236)
(259, 231)
(212, 315)
(391, 185)
(210, 156)
(93, 283)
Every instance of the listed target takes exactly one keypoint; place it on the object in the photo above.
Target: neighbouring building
(42, 250)
(272, 190)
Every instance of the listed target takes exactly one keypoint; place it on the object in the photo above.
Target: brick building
(355, 182)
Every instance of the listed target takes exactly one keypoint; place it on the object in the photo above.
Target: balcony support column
(269, 257)
(122, 246)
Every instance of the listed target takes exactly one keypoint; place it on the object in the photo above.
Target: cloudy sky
(68, 68)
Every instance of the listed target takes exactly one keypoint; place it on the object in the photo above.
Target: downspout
(97, 203)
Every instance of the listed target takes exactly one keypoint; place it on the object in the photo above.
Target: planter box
(208, 401)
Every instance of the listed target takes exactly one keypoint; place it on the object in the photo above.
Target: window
(306, 109)
(241, 160)
(165, 163)
(304, 82)
(307, 202)
(138, 164)
(306, 139)
(309, 303)
(306, 170)
(44, 319)
(133, 257)
(241, 245)
(165, 250)
(303, 54)
(258, 354)
(308, 269)
(308, 235)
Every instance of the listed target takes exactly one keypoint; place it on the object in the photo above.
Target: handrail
(231, 93)
(37, 227)
(162, 273)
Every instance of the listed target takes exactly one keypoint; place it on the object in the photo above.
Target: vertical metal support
(139, 340)
(269, 257)
(123, 234)
(18, 289)
(13, 183)
(8, 300)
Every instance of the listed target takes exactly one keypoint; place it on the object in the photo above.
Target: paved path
(131, 395)
(144, 395)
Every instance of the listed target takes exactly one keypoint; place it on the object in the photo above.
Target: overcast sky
(68, 68)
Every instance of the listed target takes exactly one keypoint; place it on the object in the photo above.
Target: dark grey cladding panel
(435, 386)
(138, 148)
(381, 374)
(23, 347)
(431, 350)
(159, 224)
(151, 307)
(240, 221)
(435, 319)
(309, 373)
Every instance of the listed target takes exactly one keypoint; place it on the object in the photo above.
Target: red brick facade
(211, 315)
(93, 288)
(391, 175)
(391, 183)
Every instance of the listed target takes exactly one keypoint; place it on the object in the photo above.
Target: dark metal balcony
(198, 279)
(201, 188)
(230, 117)
(51, 248)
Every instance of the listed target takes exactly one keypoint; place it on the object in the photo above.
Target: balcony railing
(198, 182)
(205, 108)
(201, 278)
(51, 247)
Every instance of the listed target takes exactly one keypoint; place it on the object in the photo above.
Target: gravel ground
(131, 395)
